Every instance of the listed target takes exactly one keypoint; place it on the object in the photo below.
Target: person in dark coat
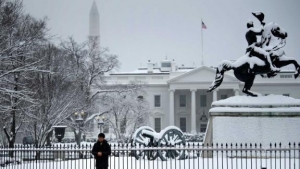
(101, 150)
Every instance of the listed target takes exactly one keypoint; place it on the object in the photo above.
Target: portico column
(171, 115)
(193, 113)
(215, 95)
(236, 92)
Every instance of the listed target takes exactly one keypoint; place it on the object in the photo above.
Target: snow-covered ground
(269, 101)
(132, 163)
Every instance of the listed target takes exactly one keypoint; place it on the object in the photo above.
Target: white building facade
(178, 95)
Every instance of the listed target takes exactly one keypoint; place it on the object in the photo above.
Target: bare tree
(20, 36)
(127, 109)
(91, 63)
(42, 85)
(58, 94)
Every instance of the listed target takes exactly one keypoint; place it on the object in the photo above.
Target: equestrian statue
(264, 57)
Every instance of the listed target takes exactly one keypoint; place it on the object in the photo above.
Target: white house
(178, 95)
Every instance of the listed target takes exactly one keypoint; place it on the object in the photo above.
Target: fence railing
(128, 156)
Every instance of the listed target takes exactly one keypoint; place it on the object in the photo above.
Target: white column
(193, 112)
(215, 95)
(236, 92)
(171, 113)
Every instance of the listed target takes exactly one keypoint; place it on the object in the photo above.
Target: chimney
(173, 66)
(150, 66)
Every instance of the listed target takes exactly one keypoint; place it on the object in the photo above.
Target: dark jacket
(104, 148)
(251, 35)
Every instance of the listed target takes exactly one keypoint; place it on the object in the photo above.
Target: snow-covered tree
(126, 110)
(42, 85)
(92, 62)
(21, 36)
(58, 95)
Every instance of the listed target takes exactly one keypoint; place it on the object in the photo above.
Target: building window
(288, 95)
(182, 124)
(140, 78)
(203, 128)
(157, 77)
(167, 64)
(157, 124)
(203, 100)
(286, 76)
(223, 96)
(157, 101)
(122, 78)
(182, 100)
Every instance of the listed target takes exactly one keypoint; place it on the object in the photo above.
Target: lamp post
(79, 119)
(80, 122)
(100, 123)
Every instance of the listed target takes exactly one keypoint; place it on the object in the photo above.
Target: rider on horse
(254, 47)
(264, 57)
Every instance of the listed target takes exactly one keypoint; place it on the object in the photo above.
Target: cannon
(145, 137)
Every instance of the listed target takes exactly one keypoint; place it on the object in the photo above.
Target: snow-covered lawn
(132, 163)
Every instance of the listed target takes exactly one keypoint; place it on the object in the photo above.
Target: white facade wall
(199, 79)
(162, 111)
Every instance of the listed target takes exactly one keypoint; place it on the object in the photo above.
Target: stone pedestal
(264, 119)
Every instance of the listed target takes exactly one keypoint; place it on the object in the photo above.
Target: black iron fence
(128, 156)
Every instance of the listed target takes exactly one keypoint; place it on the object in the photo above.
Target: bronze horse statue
(248, 66)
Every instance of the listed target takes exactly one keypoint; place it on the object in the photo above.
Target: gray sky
(139, 30)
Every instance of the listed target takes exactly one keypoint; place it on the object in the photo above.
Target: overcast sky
(139, 30)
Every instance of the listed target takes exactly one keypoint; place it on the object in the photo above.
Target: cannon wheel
(172, 138)
(139, 141)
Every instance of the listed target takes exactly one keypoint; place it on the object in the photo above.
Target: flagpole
(202, 61)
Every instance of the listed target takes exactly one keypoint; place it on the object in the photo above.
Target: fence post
(264, 158)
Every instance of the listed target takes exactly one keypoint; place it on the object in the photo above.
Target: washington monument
(94, 30)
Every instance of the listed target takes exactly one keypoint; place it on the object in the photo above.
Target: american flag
(203, 25)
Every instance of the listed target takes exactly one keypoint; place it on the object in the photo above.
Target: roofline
(194, 70)
(286, 71)
(167, 73)
(140, 74)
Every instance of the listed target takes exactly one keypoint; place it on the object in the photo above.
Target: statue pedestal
(264, 119)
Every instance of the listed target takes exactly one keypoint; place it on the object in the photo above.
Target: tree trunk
(48, 138)
(78, 137)
(12, 135)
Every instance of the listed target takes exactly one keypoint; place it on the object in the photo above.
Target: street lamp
(100, 123)
(79, 120)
